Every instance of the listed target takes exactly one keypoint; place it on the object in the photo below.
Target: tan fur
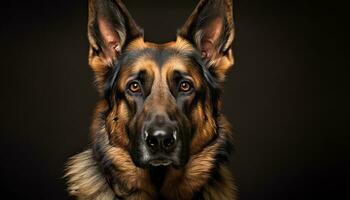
(227, 189)
(137, 44)
(116, 125)
(181, 45)
(86, 181)
(177, 63)
(100, 67)
(181, 184)
(206, 128)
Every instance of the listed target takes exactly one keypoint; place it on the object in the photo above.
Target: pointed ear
(110, 28)
(211, 29)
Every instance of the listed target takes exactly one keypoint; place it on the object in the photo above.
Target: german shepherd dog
(158, 131)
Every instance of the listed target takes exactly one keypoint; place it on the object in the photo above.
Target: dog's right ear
(211, 29)
(110, 28)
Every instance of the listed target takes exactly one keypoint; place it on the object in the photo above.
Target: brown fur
(115, 175)
(87, 182)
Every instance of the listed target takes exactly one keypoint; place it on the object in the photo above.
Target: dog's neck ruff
(114, 176)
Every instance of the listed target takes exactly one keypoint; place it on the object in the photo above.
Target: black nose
(161, 139)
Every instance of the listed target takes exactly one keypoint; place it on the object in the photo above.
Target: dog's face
(160, 86)
(163, 99)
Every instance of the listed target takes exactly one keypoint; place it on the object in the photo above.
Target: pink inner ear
(211, 35)
(110, 37)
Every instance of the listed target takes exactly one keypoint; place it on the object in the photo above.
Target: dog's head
(163, 99)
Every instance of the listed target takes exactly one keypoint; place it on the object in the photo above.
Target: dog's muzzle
(161, 141)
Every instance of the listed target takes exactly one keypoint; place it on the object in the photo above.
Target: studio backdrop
(272, 95)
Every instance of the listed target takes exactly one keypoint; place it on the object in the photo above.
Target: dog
(157, 131)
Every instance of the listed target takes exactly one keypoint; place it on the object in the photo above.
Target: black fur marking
(213, 83)
(215, 178)
(105, 165)
(109, 171)
(157, 175)
(198, 196)
(110, 82)
(224, 152)
(222, 156)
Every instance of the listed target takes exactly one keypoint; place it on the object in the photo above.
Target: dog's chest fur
(146, 88)
(206, 176)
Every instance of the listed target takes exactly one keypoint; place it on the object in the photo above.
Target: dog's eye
(135, 87)
(185, 86)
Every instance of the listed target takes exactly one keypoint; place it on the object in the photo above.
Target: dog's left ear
(211, 29)
(110, 29)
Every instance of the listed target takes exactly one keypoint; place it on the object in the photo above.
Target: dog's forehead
(180, 45)
(140, 55)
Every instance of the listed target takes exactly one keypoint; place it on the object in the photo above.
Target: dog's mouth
(160, 162)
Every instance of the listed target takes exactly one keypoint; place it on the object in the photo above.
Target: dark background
(292, 141)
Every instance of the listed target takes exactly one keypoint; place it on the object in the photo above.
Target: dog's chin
(156, 162)
(160, 163)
